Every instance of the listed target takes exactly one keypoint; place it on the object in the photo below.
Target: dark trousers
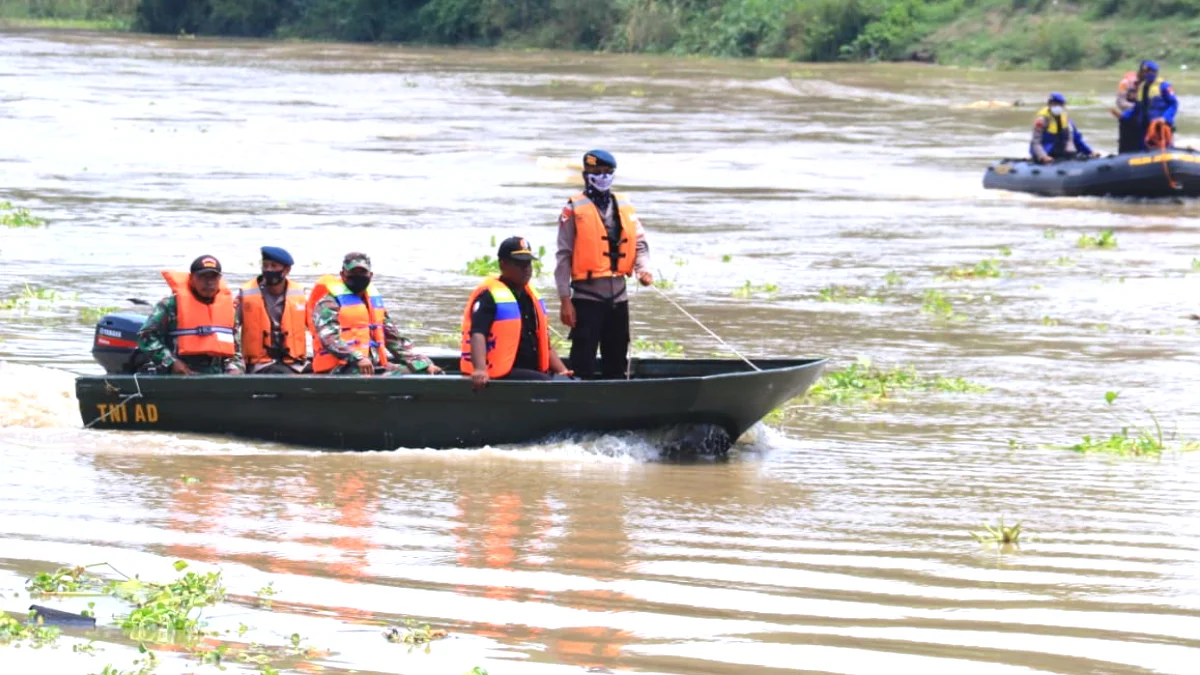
(1129, 135)
(604, 325)
(527, 374)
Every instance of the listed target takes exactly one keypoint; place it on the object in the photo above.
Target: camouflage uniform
(154, 339)
(401, 357)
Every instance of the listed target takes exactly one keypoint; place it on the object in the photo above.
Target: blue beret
(603, 157)
(1057, 98)
(1150, 65)
(278, 255)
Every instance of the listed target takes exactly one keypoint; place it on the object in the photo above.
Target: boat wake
(34, 397)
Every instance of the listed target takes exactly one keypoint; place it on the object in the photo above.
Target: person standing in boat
(600, 243)
(1054, 135)
(505, 333)
(1155, 100)
(272, 318)
(352, 332)
(191, 331)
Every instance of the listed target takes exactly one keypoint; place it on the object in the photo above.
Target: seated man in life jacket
(1155, 100)
(352, 332)
(192, 331)
(1055, 136)
(505, 332)
(272, 317)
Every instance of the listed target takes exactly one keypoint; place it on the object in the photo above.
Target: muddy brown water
(834, 543)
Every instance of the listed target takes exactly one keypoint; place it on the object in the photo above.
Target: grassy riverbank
(1026, 34)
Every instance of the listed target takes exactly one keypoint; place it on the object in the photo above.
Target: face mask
(272, 278)
(600, 181)
(1056, 110)
(358, 284)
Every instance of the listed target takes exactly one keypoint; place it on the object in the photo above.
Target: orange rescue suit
(257, 344)
(201, 329)
(592, 257)
(505, 338)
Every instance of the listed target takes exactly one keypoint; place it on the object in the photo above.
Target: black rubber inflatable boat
(1174, 173)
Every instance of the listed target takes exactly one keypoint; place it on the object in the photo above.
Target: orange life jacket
(505, 337)
(592, 257)
(257, 344)
(361, 322)
(201, 329)
(1127, 87)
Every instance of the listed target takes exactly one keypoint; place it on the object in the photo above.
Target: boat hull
(1142, 174)
(712, 401)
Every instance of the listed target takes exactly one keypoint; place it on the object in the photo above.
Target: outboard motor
(115, 345)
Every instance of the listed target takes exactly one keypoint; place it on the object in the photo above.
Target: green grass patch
(668, 348)
(863, 381)
(988, 268)
(1105, 239)
(33, 633)
(936, 303)
(1133, 440)
(414, 634)
(18, 216)
(749, 290)
(32, 297)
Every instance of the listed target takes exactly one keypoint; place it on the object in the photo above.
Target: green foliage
(32, 297)
(18, 216)
(1105, 239)
(483, 266)
(1133, 440)
(986, 268)
(936, 303)
(37, 635)
(168, 608)
(999, 535)
(748, 290)
(862, 381)
(414, 634)
(668, 348)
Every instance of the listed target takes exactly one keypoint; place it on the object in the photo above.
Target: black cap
(205, 264)
(515, 248)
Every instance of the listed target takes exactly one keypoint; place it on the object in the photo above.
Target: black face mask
(358, 284)
(272, 278)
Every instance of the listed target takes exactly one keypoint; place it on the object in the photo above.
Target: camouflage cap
(356, 259)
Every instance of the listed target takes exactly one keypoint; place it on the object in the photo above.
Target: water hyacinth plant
(18, 216)
(1132, 439)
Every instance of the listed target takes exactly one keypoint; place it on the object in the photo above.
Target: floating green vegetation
(748, 290)
(984, 269)
(1000, 535)
(1196, 264)
(662, 282)
(477, 670)
(67, 580)
(1133, 440)
(265, 594)
(31, 297)
(1005, 251)
(1049, 234)
(33, 632)
(668, 348)
(171, 608)
(893, 278)
(486, 264)
(842, 294)
(145, 665)
(726, 258)
(414, 634)
(936, 303)
(18, 216)
(863, 381)
(1105, 239)
(1064, 261)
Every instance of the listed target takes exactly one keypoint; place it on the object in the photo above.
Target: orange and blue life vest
(360, 320)
(504, 340)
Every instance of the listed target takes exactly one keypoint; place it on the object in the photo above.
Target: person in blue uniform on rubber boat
(1055, 136)
(1155, 100)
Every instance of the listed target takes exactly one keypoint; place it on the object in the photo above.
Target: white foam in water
(35, 397)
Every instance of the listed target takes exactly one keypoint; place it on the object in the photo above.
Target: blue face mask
(600, 181)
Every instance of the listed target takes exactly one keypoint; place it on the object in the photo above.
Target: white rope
(113, 408)
(706, 329)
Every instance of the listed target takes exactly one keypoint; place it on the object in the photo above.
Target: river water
(835, 542)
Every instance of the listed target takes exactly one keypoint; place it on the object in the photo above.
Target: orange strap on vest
(592, 257)
(201, 328)
(257, 344)
(504, 340)
(361, 323)
(1159, 135)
